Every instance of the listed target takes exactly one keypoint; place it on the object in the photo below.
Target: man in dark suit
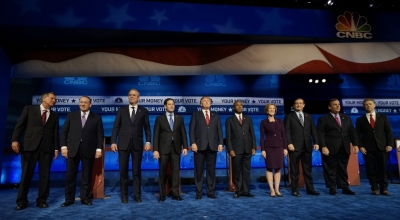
(82, 138)
(206, 139)
(39, 125)
(300, 128)
(129, 124)
(241, 145)
(335, 133)
(169, 138)
(375, 141)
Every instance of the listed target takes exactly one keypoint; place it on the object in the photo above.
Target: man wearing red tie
(206, 140)
(376, 140)
(39, 126)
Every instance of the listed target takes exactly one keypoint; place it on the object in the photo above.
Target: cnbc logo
(76, 80)
(149, 81)
(353, 25)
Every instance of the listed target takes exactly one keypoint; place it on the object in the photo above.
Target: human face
(170, 106)
(271, 110)
(334, 107)
(84, 104)
(49, 101)
(205, 103)
(369, 106)
(299, 105)
(133, 97)
(238, 107)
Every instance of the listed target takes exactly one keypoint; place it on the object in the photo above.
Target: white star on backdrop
(28, 5)
(69, 19)
(272, 21)
(159, 16)
(227, 28)
(230, 109)
(119, 15)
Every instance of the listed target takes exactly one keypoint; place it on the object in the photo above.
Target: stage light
(329, 3)
(310, 80)
(316, 81)
(323, 80)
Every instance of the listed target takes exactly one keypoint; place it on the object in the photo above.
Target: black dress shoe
(296, 194)
(124, 200)
(42, 205)
(161, 199)
(313, 193)
(211, 196)
(237, 195)
(21, 206)
(348, 192)
(198, 197)
(86, 202)
(385, 193)
(178, 198)
(247, 195)
(333, 192)
(138, 200)
(67, 203)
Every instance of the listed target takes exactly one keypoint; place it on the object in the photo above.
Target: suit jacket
(331, 135)
(381, 136)
(90, 137)
(124, 128)
(35, 133)
(240, 137)
(204, 135)
(296, 134)
(163, 134)
(272, 135)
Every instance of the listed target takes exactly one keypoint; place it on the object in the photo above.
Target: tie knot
(170, 115)
(45, 111)
(133, 108)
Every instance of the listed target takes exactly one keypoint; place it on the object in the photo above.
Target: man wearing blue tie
(169, 139)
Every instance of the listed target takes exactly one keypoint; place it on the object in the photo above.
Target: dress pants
(241, 172)
(29, 159)
(375, 164)
(335, 169)
(306, 164)
(86, 176)
(174, 159)
(210, 157)
(123, 157)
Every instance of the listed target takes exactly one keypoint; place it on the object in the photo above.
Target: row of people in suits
(82, 139)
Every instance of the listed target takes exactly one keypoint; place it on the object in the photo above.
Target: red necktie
(371, 121)
(337, 120)
(44, 117)
(207, 118)
(240, 119)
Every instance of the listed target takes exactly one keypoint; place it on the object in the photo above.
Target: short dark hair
(368, 99)
(332, 100)
(168, 99)
(44, 95)
(299, 99)
(237, 101)
(133, 89)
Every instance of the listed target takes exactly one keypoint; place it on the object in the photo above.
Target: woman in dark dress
(273, 147)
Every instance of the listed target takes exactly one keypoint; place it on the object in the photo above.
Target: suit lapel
(166, 120)
(297, 118)
(88, 120)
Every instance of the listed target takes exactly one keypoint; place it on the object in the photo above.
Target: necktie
(207, 119)
(83, 119)
(240, 119)
(301, 119)
(133, 114)
(44, 117)
(371, 121)
(171, 122)
(337, 120)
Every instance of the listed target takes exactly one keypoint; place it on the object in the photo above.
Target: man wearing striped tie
(168, 143)
(375, 141)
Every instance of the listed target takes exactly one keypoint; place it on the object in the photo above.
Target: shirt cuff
(98, 150)
(63, 147)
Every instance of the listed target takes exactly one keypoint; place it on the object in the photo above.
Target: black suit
(337, 139)
(130, 143)
(38, 145)
(300, 137)
(207, 139)
(82, 143)
(241, 139)
(169, 144)
(375, 140)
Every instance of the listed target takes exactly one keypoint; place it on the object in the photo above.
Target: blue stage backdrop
(256, 91)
